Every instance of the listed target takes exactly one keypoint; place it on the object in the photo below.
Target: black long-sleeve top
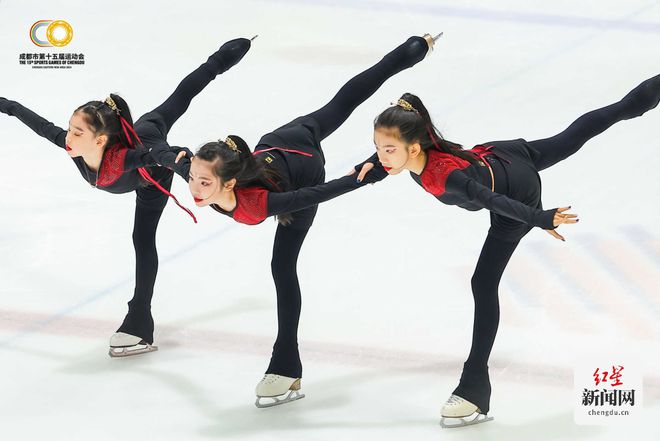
(118, 171)
(255, 204)
(455, 181)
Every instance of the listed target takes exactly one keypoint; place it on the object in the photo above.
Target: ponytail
(112, 118)
(414, 123)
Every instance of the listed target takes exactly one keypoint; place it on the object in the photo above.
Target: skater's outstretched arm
(458, 183)
(39, 125)
(140, 156)
(176, 159)
(261, 203)
(290, 201)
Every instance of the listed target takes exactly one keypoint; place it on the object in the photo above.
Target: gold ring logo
(59, 33)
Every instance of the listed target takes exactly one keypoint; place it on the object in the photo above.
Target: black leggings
(495, 254)
(152, 128)
(285, 359)
(559, 147)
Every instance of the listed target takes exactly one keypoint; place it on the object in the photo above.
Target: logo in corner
(50, 36)
(58, 33)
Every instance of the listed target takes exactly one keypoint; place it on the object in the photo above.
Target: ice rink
(385, 271)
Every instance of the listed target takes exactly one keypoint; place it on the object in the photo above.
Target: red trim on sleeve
(282, 149)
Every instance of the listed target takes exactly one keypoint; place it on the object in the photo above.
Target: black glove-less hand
(183, 166)
(374, 175)
(373, 159)
(177, 150)
(4, 105)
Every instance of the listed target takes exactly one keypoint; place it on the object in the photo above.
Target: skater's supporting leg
(150, 203)
(559, 147)
(361, 87)
(286, 359)
(475, 385)
(281, 383)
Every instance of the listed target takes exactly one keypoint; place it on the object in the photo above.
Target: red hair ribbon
(428, 130)
(127, 127)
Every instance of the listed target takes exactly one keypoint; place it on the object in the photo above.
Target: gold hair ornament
(232, 145)
(111, 103)
(405, 105)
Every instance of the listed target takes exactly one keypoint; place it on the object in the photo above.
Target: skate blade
(477, 418)
(293, 395)
(431, 40)
(143, 348)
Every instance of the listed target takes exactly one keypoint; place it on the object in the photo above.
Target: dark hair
(418, 127)
(242, 166)
(105, 121)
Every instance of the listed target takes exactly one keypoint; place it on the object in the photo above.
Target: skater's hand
(182, 154)
(556, 235)
(368, 165)
(372, 174)
(4, 105)
(562, 218)
(363, 171)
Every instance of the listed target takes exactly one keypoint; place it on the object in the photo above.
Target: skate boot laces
(454, 400)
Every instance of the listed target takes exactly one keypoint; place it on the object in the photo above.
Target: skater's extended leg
(224, 58)
(362, 86)
(559, 147)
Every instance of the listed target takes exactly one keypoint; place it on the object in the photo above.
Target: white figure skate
(459, 412)
(124, 345)
(274, 390)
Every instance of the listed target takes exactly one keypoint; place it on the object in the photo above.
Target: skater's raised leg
(362, 86)
(559, 147)
(176, 104)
